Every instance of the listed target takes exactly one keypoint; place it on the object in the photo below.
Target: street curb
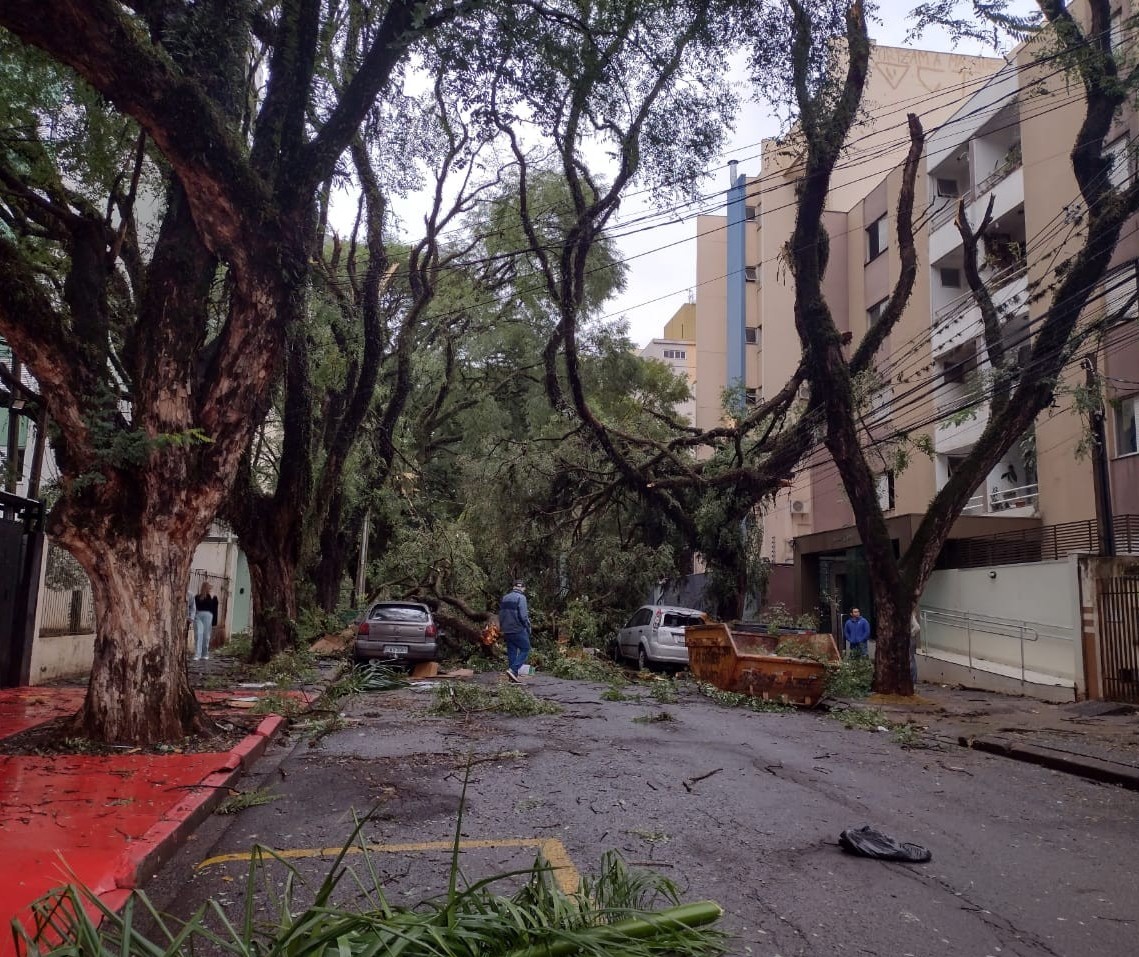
(146, 855)
(1094, 769)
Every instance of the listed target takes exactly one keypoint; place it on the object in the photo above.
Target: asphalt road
(739, 807)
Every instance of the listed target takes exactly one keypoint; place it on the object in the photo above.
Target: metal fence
(1119, 637)
(1041, 544)
(67, 604)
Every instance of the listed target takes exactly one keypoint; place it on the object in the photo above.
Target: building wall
(865, 185)
(682, 325)
(680, 356)
(59, 653)
(711, 310)
(1049, 186)
(1007, 619)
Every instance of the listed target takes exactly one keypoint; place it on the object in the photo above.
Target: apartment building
(996, 130)
(676, 348)
(745, 334)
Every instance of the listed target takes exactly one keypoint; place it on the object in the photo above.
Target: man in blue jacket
(514, 623)
(856, 631)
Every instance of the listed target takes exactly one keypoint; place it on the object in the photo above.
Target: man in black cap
(514, 622)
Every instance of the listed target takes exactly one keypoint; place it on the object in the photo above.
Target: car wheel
(643, 663)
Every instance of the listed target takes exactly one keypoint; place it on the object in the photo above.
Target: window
(751, 213)
(751, 274)
(876, 239)
(874, 313)
(1119, 294)
(947, 188)
(673, 619)
(961, 364)
(751, 396)
(1126, 435)
(1116, 34)
(642, 617)
(950, 277)
(885, 484)
(1119, 153)
(415, 613)
(751, 335)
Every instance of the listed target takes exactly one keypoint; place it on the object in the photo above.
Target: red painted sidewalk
(106, 822)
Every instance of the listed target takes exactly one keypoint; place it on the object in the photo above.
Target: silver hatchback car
(655, 635)
(396, 631)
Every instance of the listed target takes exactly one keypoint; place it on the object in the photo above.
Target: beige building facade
(995, 131)
(676, 348)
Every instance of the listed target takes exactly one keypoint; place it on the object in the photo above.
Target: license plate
(395, 650)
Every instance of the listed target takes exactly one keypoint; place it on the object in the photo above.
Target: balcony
(960, 320)
(1010, 490)
(1006, 185)
(1008, 502)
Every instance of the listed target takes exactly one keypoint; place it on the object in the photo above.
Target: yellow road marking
(553, 850)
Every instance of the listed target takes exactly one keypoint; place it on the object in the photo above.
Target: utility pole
(1101, 480)
(362, 566)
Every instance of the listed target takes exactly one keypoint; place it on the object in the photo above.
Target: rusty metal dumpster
(733, 659)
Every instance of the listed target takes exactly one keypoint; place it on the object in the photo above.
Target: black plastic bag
(867, 842)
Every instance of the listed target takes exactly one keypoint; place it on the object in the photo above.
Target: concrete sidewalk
(1098, 740)
(104, 821)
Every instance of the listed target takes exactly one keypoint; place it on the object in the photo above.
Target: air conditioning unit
(799, 507)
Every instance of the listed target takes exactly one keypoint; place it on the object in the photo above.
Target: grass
(244, 799)
(574, 668)
(294, 666)
(664, 691)
(277, 702)
(850, 678)
(239, 646)
(733, 699)
(320, 728)
(905, 733)
(614, 693)
(461, 698)
(657, 717)
(360, 679)
(619, 913)
(790, 648)
(868, 719)
(652, 837)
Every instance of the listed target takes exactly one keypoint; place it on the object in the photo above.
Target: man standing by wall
(514, 621)
(856, 631)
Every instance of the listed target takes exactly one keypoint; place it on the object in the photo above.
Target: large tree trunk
(274, 580)
(327, 573)
(138, 692)
(893, 608)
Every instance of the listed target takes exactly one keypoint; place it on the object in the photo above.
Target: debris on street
(865, 841)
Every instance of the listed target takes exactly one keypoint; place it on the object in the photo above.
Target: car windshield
(399, 613)
(674, 619)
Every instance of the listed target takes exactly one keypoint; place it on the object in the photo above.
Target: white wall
(1007, 619)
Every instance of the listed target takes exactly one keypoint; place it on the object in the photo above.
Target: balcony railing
(995, 281)
(1002, 499)
(949, 210)
(946, 213)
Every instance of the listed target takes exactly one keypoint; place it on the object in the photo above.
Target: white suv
(655, 635)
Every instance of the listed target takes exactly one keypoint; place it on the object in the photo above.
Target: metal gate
(1119, 637)
(21, 550)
